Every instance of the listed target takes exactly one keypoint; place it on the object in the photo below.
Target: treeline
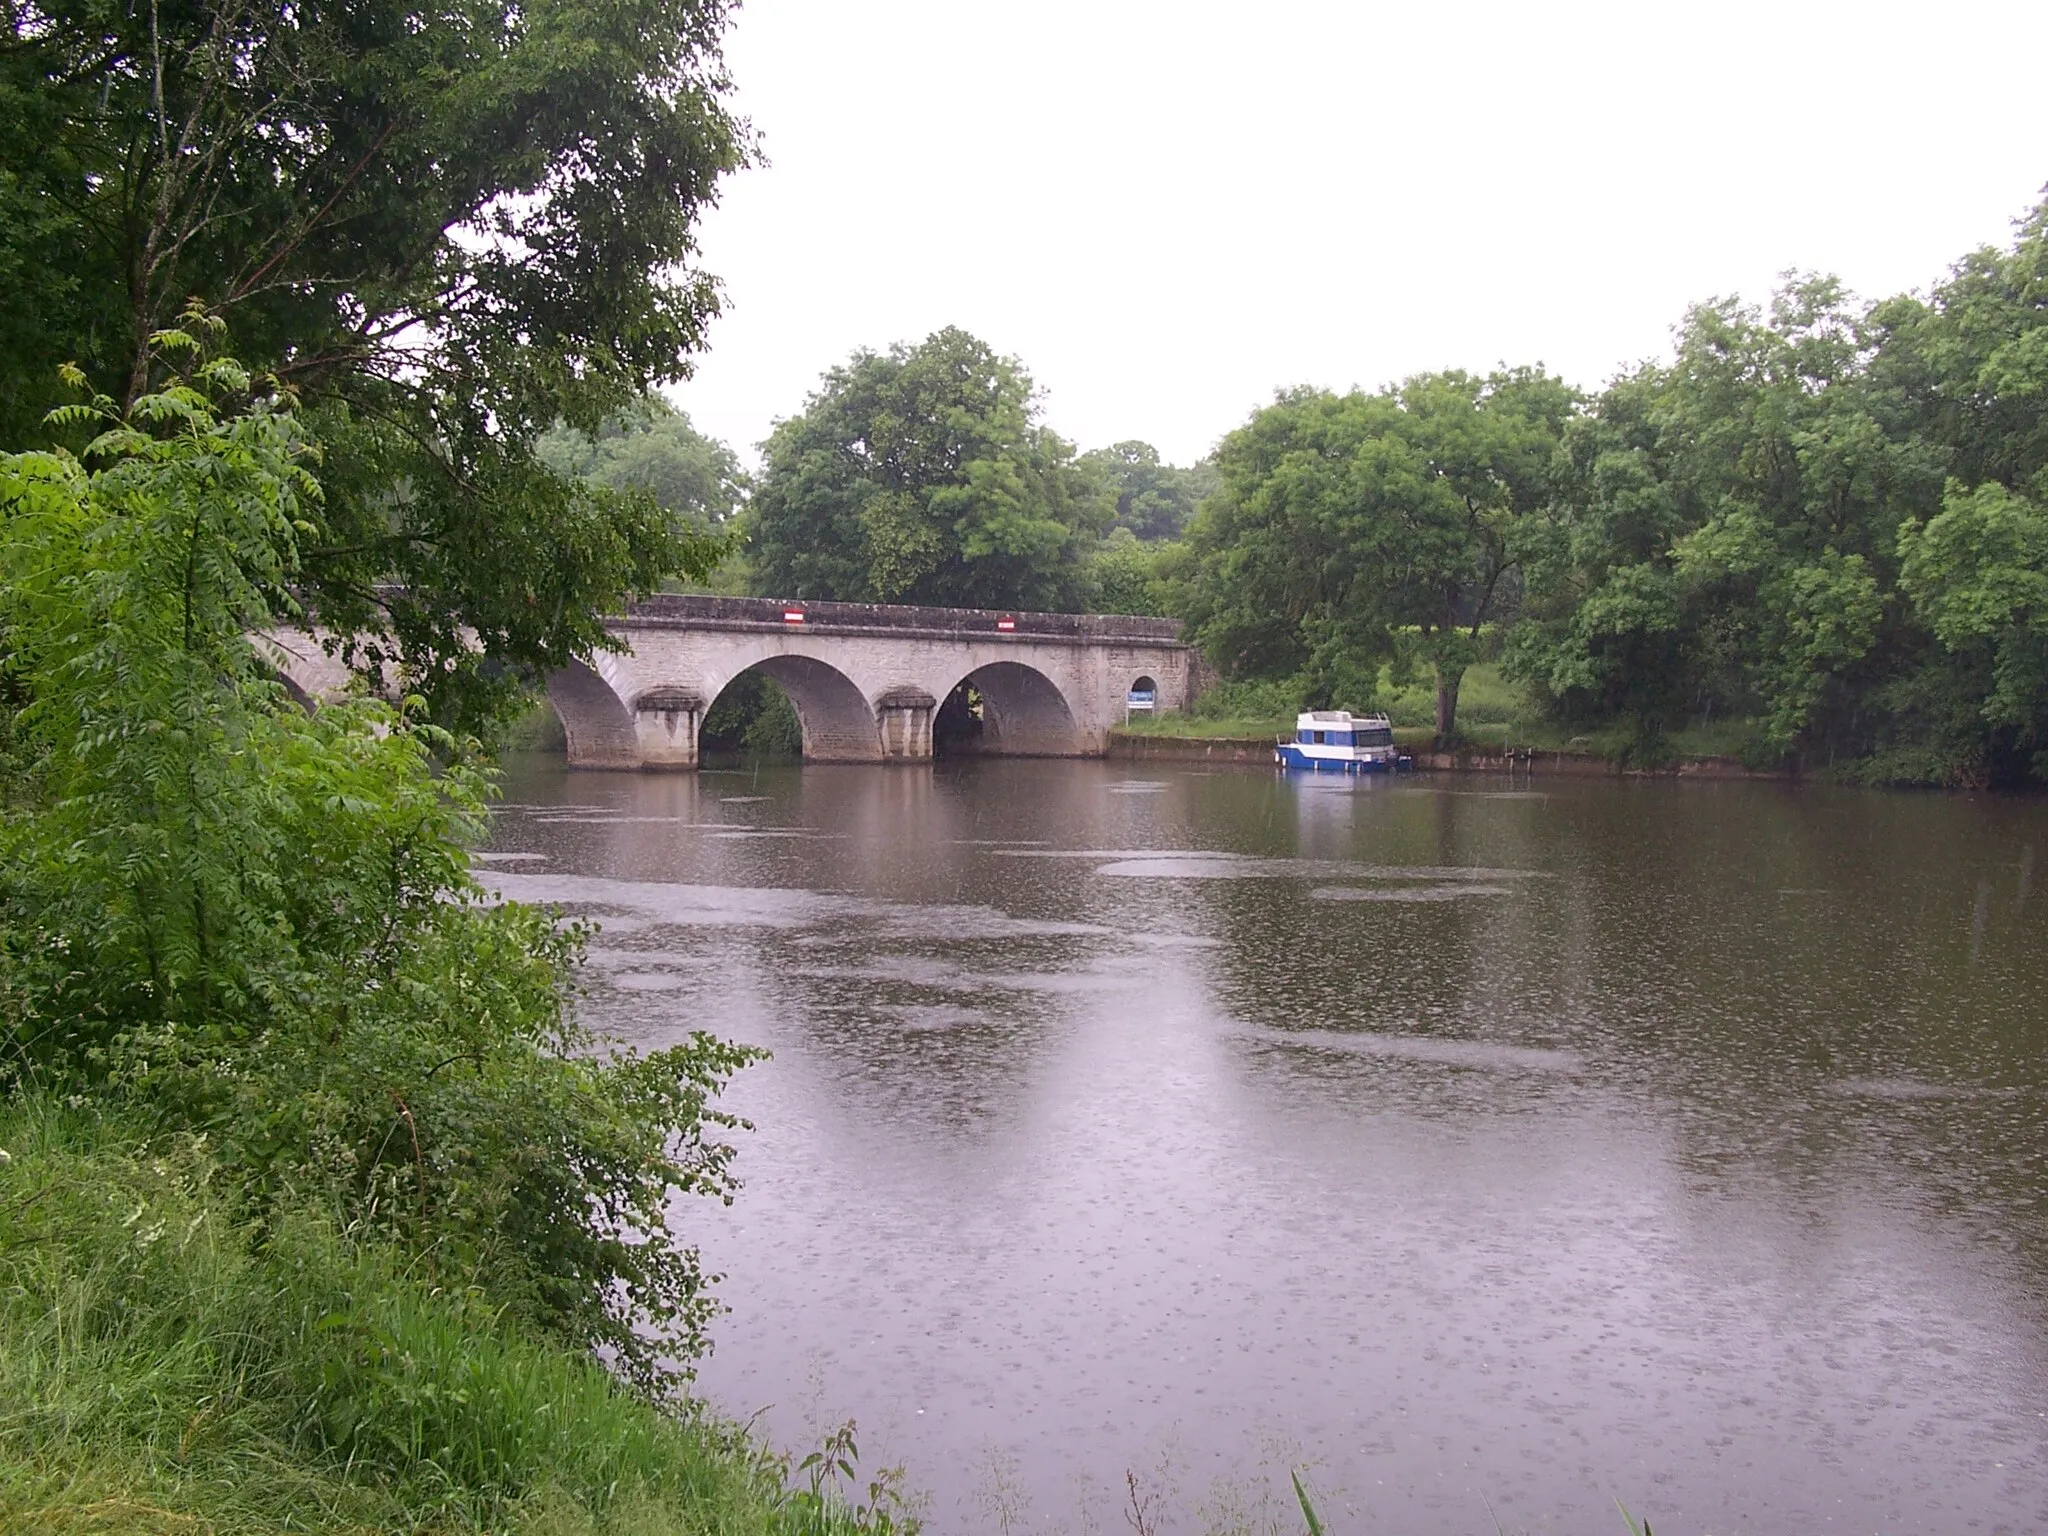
(1826, 518)
(919, 475)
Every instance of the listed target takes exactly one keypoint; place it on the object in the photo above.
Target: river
(1492, 1149)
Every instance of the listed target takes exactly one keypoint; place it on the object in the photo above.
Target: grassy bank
(1492, 717)
(167, 1366)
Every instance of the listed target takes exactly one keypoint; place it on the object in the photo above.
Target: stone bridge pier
(867, 680)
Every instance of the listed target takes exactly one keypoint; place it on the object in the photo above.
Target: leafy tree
(1721, 537)
(921, 476)
(1287, 552)
(1602, 630)
(1350, 531)
(1978, 574)
(236, 917)
(1972, 361)
(445, 229)
(1153, 500)
(1125, 575)
(752, 717)
(1489, 443)
(652, 448)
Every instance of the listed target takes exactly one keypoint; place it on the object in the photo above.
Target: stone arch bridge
(866, 679)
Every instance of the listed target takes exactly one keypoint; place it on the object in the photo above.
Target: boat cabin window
(1318, 737)
(1378, 737)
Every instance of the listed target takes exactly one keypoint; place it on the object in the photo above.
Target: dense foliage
(753, 718)
(1133, 569)
(220, 913)
(445, 228)
(1832, 517)
(651, 447)
(1154, 500)
(921, 475)
(1828, 518)
(1351, 531)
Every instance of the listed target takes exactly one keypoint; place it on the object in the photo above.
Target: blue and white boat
(1337, 741)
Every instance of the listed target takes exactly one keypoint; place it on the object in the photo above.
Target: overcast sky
(1168, 210)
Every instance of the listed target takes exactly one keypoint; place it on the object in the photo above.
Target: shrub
(240, 918)
(1246, 700)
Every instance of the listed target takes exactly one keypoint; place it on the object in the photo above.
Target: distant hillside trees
(1133, 569)
(1153, 500)
(651, 447)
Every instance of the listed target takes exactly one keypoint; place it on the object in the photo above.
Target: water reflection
(1682, 1142)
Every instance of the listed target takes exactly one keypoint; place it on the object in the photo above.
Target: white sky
(1169, 208)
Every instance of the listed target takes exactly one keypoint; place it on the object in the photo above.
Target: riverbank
(1159, 746)
(171, 1365)
(1497, 731)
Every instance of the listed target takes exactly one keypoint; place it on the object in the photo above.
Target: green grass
(167, 1367)
(1712, 739)
(1262, 712)
(1492, 717)
(1484, 698)
(1203, 728)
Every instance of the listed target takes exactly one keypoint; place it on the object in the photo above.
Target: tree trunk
(1447, 705)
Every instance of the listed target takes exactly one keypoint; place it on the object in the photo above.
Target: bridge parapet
(695, 611)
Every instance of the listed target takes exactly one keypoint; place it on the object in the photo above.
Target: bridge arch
(599, 727)
(837, 719)
(295, 691)
(1024, 713)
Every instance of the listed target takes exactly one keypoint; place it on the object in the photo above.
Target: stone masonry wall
(866, 679)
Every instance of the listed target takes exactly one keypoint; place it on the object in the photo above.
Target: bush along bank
(341, 1199)
(1239, 722)
(1474, 754)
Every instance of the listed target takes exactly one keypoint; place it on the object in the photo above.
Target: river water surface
(1472, 1144)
